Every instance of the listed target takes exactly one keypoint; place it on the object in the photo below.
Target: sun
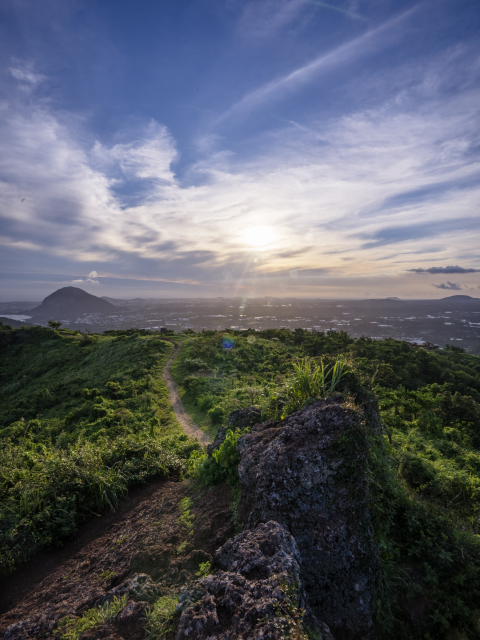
(259, 237)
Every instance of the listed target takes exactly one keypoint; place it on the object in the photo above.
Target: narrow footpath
(186, 422)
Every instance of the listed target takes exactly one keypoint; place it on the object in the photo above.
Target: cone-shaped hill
(69, 302)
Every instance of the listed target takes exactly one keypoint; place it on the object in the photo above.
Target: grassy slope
(80, 421)
(424, 484)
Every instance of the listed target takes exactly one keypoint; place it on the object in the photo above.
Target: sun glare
(259, 237)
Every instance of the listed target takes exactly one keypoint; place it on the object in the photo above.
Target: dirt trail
(188, 425)
(143, 535)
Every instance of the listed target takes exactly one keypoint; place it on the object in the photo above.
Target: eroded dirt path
(188, 425)
(145, 534)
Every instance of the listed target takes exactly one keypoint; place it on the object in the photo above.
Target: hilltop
(355, 500)
(69, 302)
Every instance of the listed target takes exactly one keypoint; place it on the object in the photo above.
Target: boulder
(256, 595)
(308, 473)
(239, 419)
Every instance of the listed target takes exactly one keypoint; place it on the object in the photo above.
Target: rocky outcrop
(237, 420)
(308, 473)
(257, 593)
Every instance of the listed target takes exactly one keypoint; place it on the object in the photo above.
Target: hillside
(84, 418)
(70, 302)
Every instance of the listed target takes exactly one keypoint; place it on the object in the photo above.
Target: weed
(107, 575)
(181, 547)
(162, 618)
(203, 569)
(186, 518)
(120, 541)
(73, 628)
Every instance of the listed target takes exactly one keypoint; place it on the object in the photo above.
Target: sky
(203, 148)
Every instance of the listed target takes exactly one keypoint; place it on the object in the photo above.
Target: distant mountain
(124, 303)
(16, 324)
(115, 301)
(69, 302)
(460, 298)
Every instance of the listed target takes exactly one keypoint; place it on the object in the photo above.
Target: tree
(54, 324)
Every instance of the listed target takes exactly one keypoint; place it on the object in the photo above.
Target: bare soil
(188, 425)
(144, 536)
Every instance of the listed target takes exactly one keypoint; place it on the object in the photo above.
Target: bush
(217, 414)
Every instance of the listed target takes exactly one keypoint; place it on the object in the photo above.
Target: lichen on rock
(256, 595)
(308, 473)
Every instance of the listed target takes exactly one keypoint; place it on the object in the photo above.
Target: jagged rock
(266, 551)
(309, 474)
(254, 597)
(217, 442)
(242, 418)
(131, 620)
(239, 419)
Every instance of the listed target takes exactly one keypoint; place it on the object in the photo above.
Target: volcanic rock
(255, 594)
(239, 419)
(308, 473)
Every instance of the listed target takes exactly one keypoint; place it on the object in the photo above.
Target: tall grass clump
(309, 381)
(73, 628)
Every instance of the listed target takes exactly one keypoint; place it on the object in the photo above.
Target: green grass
(82, 420)
(162, 618)
(73, 628)
(80, 423)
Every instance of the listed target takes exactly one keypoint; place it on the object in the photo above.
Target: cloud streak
(361, 46)
(450, 269)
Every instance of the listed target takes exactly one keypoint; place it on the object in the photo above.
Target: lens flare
(228, 342)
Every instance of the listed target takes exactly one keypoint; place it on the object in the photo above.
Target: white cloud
(389, 181)
(86, 281)
(263, 20)
(24, 72)
(149, 157)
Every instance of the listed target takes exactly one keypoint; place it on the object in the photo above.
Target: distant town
(454, 320)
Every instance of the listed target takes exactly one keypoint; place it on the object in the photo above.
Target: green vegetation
(162, 618)
(203, 569)
(424, 473)
(85, 417)
(82, 419)
(73, 628)
(107, 575)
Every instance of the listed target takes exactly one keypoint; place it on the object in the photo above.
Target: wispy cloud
(451, 269)
(262, 20)
(26, 75)
(330, 191)
(363, 45)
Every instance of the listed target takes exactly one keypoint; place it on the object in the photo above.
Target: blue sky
(266, 147)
